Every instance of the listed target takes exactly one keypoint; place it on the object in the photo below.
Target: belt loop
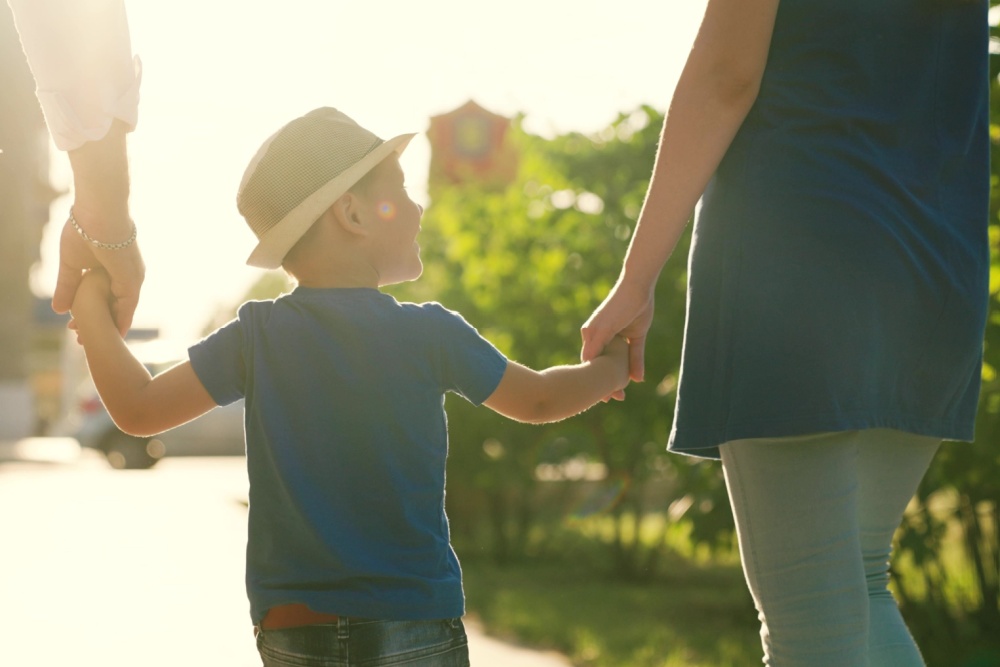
(343, 628)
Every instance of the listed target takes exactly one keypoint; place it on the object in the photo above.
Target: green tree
(526, 265)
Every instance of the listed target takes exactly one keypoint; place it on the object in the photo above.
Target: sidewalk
(486, 651)
(40, 450)
(118, 568)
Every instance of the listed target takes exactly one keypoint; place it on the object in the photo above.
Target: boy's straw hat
(299, 172)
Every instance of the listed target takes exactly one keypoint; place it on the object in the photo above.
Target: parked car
(216, 433)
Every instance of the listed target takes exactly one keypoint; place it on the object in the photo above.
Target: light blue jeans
(358, 642)
(815, 517)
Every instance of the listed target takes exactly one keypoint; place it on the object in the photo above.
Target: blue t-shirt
(346, 445)
(839, 265)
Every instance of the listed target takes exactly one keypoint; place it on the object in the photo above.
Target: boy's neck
(331, 279)
(334, 265)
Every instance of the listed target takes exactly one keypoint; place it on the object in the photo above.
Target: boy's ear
(347, 214)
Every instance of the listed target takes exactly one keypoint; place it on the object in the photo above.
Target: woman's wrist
(98, 244)
(101, 185)
(638, 278)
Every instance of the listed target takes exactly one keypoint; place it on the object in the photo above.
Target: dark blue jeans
(356, 642)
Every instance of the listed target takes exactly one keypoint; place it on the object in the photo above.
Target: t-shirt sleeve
(218, 362)
(470, 365)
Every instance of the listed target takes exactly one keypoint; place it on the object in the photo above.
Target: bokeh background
(538, 123)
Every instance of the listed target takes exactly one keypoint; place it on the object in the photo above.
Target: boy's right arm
(138, 403)
(538, 397)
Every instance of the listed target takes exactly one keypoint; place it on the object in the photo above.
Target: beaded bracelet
(98, 244)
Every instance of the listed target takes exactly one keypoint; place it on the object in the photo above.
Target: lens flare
(386, 210)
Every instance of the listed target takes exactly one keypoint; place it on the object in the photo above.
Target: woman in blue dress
(837, 289)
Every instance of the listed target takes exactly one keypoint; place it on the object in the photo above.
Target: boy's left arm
(138, 403)
(538, 397)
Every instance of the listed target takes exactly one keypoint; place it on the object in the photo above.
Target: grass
(696, 613)
(697, 616)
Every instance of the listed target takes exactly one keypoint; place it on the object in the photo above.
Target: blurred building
(471, 145)
(25, 196)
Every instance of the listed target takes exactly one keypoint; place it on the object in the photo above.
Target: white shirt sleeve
(80, 54)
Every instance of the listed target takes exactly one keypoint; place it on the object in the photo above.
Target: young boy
(348, 551)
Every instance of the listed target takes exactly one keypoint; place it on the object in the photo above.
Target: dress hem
(704, 443)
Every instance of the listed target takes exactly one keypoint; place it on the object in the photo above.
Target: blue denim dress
(839, 267)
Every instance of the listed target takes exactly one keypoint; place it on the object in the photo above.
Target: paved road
(113, 569)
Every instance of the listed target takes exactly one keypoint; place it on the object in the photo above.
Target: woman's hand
(100, 206)
(626, 312)
(125, 273)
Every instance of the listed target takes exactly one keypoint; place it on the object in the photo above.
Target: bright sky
(220, 76)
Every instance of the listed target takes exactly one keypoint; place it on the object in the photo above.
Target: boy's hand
(93, 297)
(617, 351)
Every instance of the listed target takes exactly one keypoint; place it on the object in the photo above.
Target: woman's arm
(717, 87)
(87, 82)
(538, 397)
(80, 55)
(100, 207)
(138, 403)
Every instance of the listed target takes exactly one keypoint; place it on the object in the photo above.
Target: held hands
(93, 298)
(125, 272)
(617, 351)
(101, 184)
(625, 312)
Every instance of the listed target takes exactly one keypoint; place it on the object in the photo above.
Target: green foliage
(526, 265)
(691, 616)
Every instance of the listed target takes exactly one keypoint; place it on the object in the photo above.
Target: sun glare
(567, 67)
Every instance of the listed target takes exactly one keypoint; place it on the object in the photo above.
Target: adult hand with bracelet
(99, 231)
(87, 81)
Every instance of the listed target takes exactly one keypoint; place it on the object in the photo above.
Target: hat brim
(275, 243)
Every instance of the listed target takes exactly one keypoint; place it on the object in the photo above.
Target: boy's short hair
(299, 172)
